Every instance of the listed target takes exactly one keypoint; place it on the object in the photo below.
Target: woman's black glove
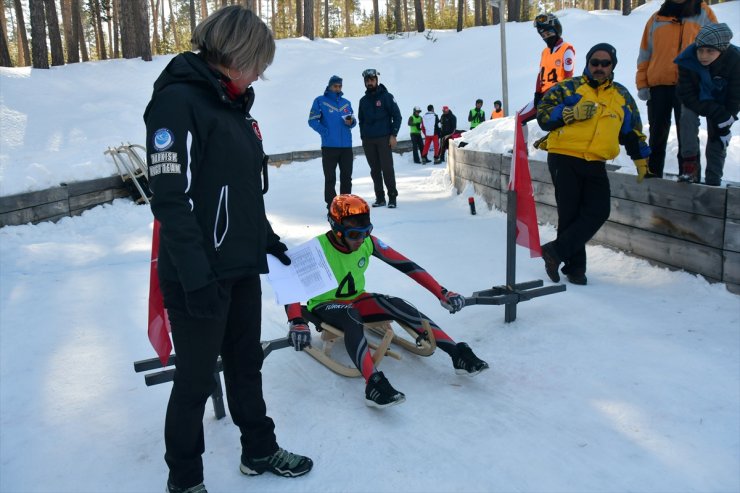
(278, 250)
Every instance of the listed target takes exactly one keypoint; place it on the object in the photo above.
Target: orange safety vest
(497, 114)
(552, 67)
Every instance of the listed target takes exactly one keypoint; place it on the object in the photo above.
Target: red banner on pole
(159, 323)
(527, 231)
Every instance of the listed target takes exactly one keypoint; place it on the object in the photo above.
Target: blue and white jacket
(327, 118)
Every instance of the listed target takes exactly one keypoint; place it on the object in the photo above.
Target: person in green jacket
(476, 116)
(415, 131)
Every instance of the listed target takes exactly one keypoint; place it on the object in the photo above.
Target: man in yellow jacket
(667, 33)
(588, 117)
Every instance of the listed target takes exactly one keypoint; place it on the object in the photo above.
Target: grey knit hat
(715, 36)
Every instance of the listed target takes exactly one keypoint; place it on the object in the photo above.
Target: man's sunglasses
(594, 62)
(353, 233)
(371, 72)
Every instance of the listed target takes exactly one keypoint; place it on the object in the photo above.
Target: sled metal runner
(217, 397)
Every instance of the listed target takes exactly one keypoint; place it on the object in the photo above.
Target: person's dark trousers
(380, 158)
(417, 144)
(583, 198)
(198, 342)
(663, 101)
(330, 158)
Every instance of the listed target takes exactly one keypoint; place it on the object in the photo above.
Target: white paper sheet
(307, 275)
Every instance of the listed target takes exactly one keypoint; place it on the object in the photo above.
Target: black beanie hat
(603, 47)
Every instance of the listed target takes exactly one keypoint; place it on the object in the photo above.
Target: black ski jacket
(378, 114)
(205, 156)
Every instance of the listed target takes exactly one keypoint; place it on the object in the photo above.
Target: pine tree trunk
(308, 19)
(617, 4)
(155, 27)
(460, 14)
(24, 56)
(484, 13)
(376, 16)
(495, 17)
(145, 47)
(98, 21)
(55, 37)
(116, 28)
(326, 19)
(626, 7)
(405, 16)
(39, 50)
(173, 27)
(398, 27)
(299, 17)
(70, 47)
(5, 60)
(419, 16)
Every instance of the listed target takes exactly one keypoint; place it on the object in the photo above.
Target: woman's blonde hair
(235, 38)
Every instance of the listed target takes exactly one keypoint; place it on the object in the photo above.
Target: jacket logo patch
(377, 103)
(163, 139)
(256, 129)
(361, 262)
(557, 63)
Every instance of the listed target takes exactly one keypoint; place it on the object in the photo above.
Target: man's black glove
(211, 301)
(299, 334)
(278, 250)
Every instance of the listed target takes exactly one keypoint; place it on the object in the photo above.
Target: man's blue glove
(278, 250)
(299, 334)
(452, 301)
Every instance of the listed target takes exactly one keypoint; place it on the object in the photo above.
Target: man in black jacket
(205, 157)
(448, 126)
(380, 119)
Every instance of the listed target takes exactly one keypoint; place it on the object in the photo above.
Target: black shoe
(552, 261)
(392, 203)
(380, 393)
(425, 161)
(282, 463)
(467, 363)
(417, 161)
(379, 203)
(171, 488)
(437, 161)
(579, 279)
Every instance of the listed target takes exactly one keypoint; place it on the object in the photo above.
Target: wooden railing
(682, 226)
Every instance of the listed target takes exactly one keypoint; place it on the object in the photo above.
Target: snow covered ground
(631, 383)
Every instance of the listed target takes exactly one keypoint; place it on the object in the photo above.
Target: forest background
(44, 33)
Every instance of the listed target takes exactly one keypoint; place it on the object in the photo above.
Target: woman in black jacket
(205, 157)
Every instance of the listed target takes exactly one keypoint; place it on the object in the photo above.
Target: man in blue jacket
(380, 120)
(331, 116)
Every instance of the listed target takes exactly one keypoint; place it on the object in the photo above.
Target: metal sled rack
(133, 169)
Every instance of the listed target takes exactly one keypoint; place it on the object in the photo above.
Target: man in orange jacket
(667, 33)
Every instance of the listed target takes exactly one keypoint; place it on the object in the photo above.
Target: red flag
(159, 323)
(527, 231)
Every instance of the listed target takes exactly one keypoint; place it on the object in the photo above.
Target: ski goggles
(371, 72)
(543, 20)
(353, 233)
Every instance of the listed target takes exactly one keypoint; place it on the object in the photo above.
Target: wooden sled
(133, 170)
(330, 336)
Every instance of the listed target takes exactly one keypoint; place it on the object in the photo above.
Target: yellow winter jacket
(663, 39)
(617, 121)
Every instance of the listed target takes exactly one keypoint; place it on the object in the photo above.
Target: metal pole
(510, 309)
(504, 77)
(501, 6)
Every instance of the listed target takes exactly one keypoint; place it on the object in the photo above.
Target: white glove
(727, 123)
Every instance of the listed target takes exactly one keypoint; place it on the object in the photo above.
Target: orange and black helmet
(346, 205)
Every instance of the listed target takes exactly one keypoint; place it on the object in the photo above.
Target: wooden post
(510, 308)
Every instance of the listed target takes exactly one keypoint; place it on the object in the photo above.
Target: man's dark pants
(380, 158)
(663, 100)
(198, 342)
(584, 203)
(331, 157)
(417, 144)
